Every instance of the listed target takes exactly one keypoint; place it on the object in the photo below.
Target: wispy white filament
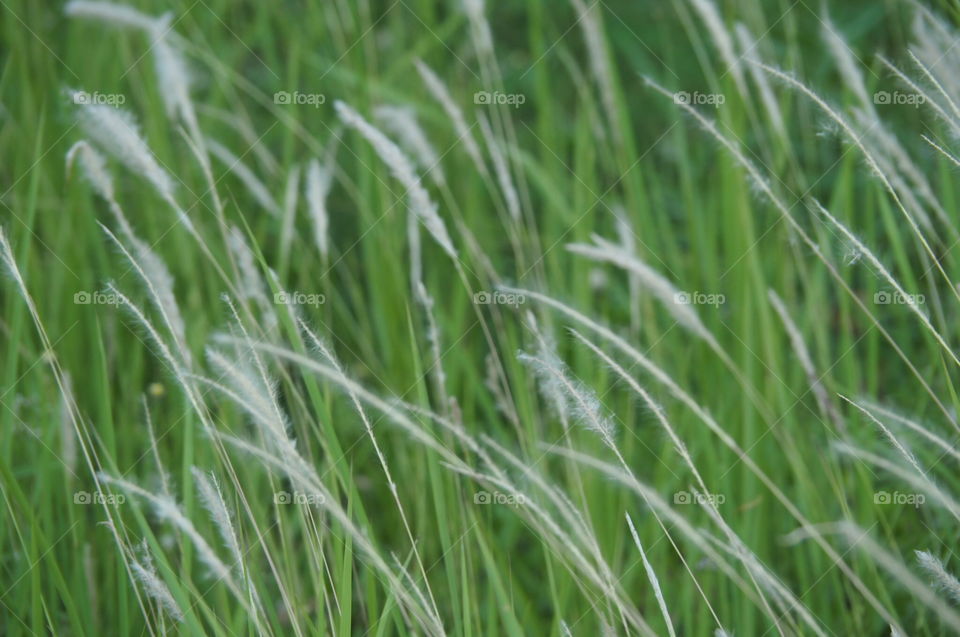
(400, 166)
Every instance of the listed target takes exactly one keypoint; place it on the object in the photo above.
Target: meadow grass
(427, 318)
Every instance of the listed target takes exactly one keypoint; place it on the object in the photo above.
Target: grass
(539, 439)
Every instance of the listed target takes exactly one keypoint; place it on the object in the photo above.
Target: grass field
(527, 318)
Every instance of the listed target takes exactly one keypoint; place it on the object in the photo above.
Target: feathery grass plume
(722, 40)
(501, 167)
(763, 578)
(168, 510)
(331, 358)
(401, 122)
(870, 158)
(771, 104)
(575, 398)
(928, 99)
(755, 177)
(653, 281)
(94, 170)
(918, 481)
(153, 585)
(589, 20)
(743, 554)
(388, 408)
(699, 537)
(173, 75)
(565, 546)
(212, 498)
(479, 27)
(860, 539)
(289, 209)
(942, 578)
(240, 124)
(652, 576)
(885, 274)
(439, 91)
(235, 165)
(303, 474)
(705, 417)
(117, 14)
(899, 446)
(317, 187)
(910, 182)
(944, 445)
(928, 72)
(401, 168)
(942, 151)
(155, 275)
(116, 132)
(847, 63)
(251, 283)
(826, 406)
(247, 388)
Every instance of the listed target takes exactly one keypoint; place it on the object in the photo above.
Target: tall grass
(664, 362)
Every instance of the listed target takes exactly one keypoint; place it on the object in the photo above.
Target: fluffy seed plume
(401, 122)
(319, 180)
(234, 164)
(145, 572)
(440, 93)
(94, 168)
(942, 579)
(653, 281)
(419, 200)
(117, 14)
(116, 132)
